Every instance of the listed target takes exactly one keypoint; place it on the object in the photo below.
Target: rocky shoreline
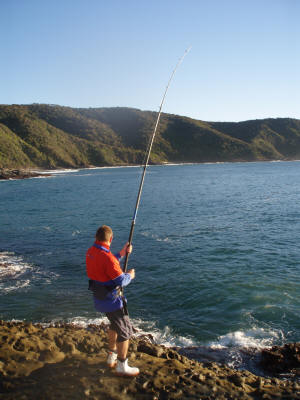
(6, 174)
(68, 362)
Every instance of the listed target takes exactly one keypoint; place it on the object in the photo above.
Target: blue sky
(244, 62)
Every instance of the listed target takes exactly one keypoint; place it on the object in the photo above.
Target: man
(106, 280)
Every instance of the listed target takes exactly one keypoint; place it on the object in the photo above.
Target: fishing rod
(148, 157)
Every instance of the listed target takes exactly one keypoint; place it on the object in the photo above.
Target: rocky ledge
(6, 173)
(68, 362)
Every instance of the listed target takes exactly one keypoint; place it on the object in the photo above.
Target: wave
(113, 167)
(156, 237)
(141, 328)
(238, 350)
(16, 273)
(13, 271)
(253, 338)
(55, 171)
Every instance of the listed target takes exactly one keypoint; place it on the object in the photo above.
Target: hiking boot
(111, 359)
(123, 369)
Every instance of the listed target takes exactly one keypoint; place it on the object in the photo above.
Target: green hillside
(49, 136)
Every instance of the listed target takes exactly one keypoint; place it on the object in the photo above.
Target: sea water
(216, 249)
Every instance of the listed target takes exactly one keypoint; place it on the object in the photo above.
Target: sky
(244, 61)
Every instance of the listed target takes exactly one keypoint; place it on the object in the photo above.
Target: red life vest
(101, 264)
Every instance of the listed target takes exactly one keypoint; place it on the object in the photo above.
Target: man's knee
(121, 324)
(123, 337)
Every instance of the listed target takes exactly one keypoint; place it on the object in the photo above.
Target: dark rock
(151, 349)
(6, 174)
(171, 355)
(280, 359)
(237, 380)
(197, 378)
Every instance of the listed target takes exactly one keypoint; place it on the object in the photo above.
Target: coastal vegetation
(51, 136)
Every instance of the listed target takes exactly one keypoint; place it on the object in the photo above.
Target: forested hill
(50, 136)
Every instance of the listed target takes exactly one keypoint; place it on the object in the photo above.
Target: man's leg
(122, 348)
(112, 348)
(112, 340)
(121, 324)
(123, 368)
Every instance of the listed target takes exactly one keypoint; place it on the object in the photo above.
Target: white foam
(167, 164)
(17, 285)
(253, 338)
(256, 338)
(55, 171)
(156, 237)
(166, 337)
(17, 274)
(143, 328)
(84, 322)
(41, 177)
(11, 266)
(231, 343)
(114, 167)
(12, 271)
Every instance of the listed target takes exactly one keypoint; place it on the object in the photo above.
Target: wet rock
(280, 359)
(151, 349)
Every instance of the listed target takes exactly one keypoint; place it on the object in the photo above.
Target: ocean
(215, 249)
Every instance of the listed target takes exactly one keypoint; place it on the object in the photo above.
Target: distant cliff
(49, 136)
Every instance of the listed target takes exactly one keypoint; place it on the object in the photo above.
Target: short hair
(104, 233)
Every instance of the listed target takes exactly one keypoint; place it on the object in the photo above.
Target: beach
(68, 362)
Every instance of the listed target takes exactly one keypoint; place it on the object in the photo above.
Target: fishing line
(148, 152)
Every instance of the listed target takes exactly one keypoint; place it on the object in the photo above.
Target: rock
(52, 356)
(198, 378)
(281, 359)
(151, 349)
(57, 360)
(237, 380)
(6, 174)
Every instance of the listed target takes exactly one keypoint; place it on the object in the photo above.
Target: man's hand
(126, 249)
(131, 272)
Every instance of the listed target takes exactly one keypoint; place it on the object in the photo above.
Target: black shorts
(120, 323)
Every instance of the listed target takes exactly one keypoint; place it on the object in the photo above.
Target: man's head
(104, 234)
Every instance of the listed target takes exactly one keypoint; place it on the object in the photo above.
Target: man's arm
(125, 278)
(122, 253)
(116, 274)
